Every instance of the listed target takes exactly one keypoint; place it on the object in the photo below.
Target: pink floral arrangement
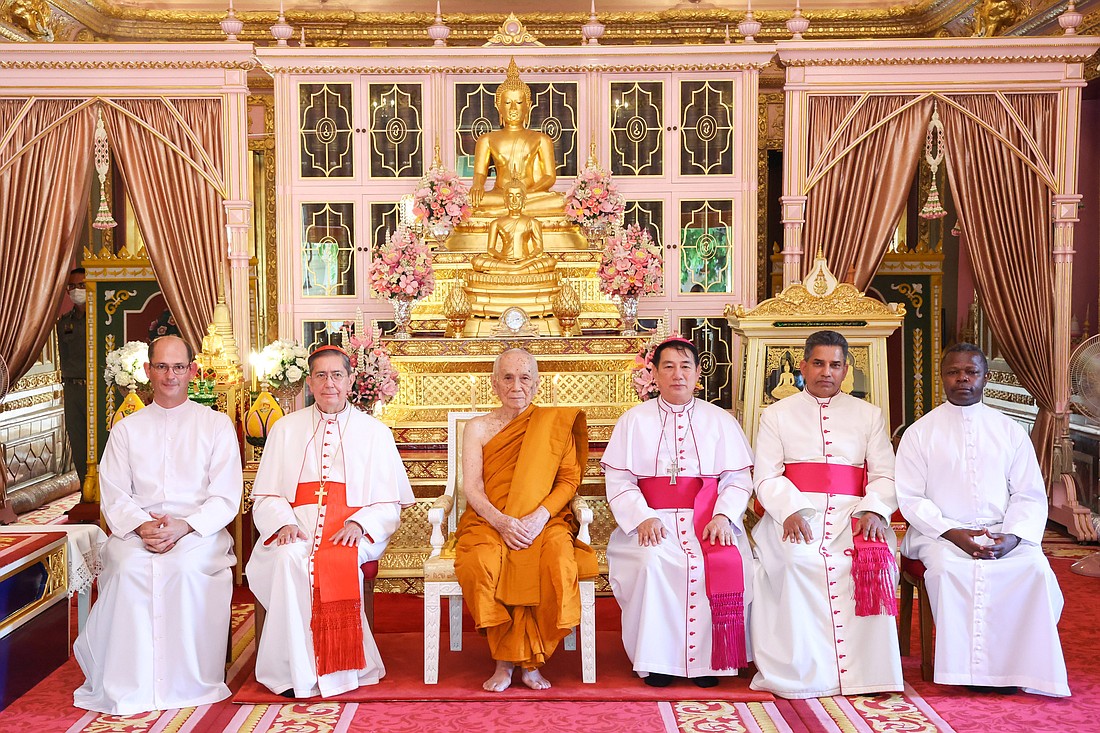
(402, 267)
(375, 378)
(441, 199)
(632, 264)
(593, 202)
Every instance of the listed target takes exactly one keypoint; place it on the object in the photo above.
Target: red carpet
(461, 674)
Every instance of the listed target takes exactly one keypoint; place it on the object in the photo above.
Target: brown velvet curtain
(852, 212)
(178, 210)
(1005, 210)
(43, 205)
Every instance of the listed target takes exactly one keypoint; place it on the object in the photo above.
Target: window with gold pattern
(328, 249)
(706, 128)
(325, 130)
(637, 128)
(706, 257)
(396, 130)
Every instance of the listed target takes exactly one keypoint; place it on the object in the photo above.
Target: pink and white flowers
(441, 200)
(632, 264)
(375, 378)
(593, 202)
(402, 267)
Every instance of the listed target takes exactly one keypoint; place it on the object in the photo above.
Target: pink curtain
(853, 210)
(1005, 210)
(178, 210)
(43, 204)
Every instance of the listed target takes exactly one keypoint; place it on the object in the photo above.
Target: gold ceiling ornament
(33, 17)
(512, 32)
(994, 17)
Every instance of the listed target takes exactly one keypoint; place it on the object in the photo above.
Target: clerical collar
(966, 409)
(665, 405)
(332, 415)
(819, 400)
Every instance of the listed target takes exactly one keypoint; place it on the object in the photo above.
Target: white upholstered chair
(439, 568)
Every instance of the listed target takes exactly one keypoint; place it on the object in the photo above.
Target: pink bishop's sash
(723, 565)
(874, 569)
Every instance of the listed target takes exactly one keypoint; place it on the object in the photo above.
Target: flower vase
(402, 316)
(285, 394)
(628, 314)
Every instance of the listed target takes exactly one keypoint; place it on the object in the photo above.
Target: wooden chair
(439, 568)
(912, 578)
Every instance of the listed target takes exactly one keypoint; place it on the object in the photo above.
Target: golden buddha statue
(517, 152)
(786, 385)
(528, 154)
(515, 239)
(514, 270)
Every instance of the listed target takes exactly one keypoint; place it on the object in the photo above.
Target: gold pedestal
(491, 294)
(558, 235)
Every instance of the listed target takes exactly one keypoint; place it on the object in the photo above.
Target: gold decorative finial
(592, 162)
(437, 162)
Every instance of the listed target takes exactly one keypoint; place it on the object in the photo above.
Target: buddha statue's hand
(477, 193)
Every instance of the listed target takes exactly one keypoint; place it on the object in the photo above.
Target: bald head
(515, 379)
(509, 355)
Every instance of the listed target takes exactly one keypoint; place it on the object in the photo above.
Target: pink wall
(1086, 233)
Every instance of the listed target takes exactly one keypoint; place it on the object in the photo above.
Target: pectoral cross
(321, 493)
(673, 471)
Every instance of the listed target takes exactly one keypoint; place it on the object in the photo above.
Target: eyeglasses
(76, 286)
(325, 376)
(178, 369)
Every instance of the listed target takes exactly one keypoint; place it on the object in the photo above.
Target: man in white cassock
(970, 487)
(825, 587)
(680, 565)
(170, 482)
(327, 498)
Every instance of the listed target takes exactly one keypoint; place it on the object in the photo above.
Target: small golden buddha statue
(528, 154)
(515, 239)
(786, 386)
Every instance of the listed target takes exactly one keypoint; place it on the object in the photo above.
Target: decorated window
(328, 249)
(706, 128)
(714, 339)
(325, 130)
(396, 130)
(706, 249)
(637, 128)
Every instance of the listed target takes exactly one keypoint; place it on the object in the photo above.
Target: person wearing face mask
(970, 486)
(71, 343)
(825, 585)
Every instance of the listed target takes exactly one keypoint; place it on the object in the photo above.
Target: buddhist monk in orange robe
(517, 557)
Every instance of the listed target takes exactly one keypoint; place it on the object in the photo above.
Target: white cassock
(808, 640)
(156, 636)
(661, 589)
(996, 620)
(365, 458)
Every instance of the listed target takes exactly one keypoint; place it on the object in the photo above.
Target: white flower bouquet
(126, 366)
(284, 363)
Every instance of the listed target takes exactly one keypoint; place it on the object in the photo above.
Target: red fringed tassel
(727, 650)
(337, 635)
(874, 574)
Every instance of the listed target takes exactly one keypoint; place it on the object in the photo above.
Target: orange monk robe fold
(526, 601)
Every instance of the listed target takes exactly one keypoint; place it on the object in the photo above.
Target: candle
(473, 392)
(554, 389)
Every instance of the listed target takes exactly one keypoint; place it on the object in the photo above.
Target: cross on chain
(321, 493)
(673, 471)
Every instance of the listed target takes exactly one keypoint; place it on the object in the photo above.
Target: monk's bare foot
(534, 679)
(501, 679)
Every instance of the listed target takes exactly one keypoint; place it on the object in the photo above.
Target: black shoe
(287, 693)
(655, 679)
(995, 690)
(705, 681)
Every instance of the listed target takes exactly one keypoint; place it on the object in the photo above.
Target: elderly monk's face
(330, 382)
(516, 381)
(824, 371)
